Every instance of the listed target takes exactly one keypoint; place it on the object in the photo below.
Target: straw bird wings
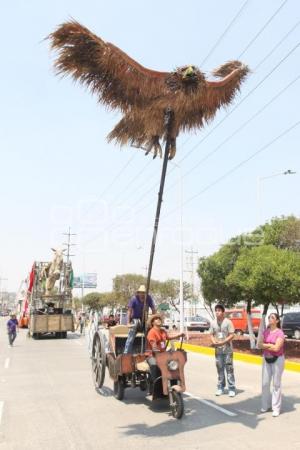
(118, 80)
(143, 95)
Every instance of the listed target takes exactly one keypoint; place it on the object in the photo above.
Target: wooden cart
(132, 370)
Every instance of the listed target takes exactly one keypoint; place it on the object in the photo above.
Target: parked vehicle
(50, 313)
(239, 319)
(291, 324)
(197, 323)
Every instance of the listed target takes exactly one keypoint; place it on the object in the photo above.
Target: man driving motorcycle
(157, 338)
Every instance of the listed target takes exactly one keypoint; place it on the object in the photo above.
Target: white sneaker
(275, 413)
(263, 410)
(219, 392)
(231, 393)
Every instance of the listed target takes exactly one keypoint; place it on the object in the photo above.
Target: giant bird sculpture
(144, 96)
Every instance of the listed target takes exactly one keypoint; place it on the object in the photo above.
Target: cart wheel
(98, 360)
(143, 385)
(177, 406)
(119, 389)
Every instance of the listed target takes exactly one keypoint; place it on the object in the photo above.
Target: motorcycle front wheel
(177, 406)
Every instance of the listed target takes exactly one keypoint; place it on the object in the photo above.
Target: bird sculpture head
(187, 78)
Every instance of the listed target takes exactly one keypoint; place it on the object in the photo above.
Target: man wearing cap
(222, 333)
(135, 314)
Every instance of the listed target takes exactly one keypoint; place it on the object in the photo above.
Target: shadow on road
(198, 416)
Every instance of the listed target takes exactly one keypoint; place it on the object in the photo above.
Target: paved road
(47, 401)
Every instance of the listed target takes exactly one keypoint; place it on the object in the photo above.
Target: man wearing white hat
(135, 314)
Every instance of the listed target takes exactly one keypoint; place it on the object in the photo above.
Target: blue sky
(59, 171)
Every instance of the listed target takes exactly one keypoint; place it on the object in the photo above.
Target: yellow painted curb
(251, 359)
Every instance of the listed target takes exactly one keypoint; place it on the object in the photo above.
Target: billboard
(86, 280)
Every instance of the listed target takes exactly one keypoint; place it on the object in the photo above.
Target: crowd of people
(222, 333)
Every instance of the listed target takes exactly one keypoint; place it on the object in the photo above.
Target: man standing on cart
(136, 307)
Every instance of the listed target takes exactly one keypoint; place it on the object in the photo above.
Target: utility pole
(1, 295)
(69, 244)
(191, 265)
(145, 268)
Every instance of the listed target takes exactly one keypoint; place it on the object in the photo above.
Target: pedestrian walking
(222, 333)
(12, 325)
(272, 344)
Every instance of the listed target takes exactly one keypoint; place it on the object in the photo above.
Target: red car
(239, 319)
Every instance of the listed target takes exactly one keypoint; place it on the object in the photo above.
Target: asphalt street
(48, 401)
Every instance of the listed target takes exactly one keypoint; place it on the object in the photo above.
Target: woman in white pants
(273, 365)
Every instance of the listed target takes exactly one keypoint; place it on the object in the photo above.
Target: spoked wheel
(98, 360)
(119, 389)
(177, 406)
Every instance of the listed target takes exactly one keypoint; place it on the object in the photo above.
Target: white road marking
(1, 410)
(212, 405)
(6, 363)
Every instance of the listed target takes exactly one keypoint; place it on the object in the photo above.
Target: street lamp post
(181, 300)
(1, 295)
(259, 180)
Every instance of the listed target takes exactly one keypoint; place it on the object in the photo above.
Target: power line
(237, 166)
(214, 128)
(224, 33)
(226, 140)
(233, 134)
(238, 130)
(219, 123)
(277, 45)
(112, 182)
(262, 29)
(227, 115)
(241, 101)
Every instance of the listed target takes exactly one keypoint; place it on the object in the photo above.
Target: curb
(250, 359)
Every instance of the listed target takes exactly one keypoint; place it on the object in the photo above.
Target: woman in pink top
(273, 365)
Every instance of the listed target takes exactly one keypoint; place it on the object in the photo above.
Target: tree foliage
(99, 300)
(260, 267)
(126, 285)
(266, 275)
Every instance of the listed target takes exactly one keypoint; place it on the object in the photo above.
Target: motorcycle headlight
(173, 365)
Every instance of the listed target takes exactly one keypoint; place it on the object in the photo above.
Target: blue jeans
(11, 337)
(224, 363)
(131, 336)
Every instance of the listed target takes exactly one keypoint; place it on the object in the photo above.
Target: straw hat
(142, 289)
(152, 318)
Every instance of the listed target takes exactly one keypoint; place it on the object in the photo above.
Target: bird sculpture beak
(188, 72)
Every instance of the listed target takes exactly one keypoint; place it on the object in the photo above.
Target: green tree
(94, 301)
(266, 275)
(169, 291)
(125, 286)
(76, 303)
(283, 232)
(213, 271)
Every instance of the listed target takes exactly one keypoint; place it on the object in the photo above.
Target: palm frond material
(141, 94)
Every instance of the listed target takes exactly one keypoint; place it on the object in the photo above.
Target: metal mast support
(169, 115)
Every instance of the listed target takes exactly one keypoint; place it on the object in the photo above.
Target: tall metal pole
(181, 300)
(168, 124)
